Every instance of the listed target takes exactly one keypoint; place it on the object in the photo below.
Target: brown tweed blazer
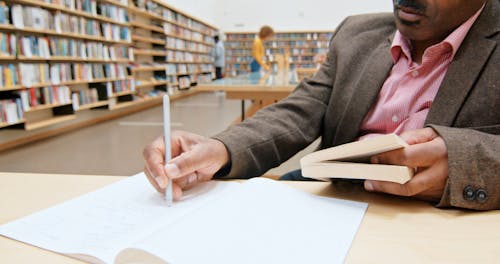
(333, 103)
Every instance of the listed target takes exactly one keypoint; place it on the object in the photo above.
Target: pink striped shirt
(407, 94)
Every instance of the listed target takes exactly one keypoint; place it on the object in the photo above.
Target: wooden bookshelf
(160, 35)
(137, 38)
(148, 69)
(70, 59)
(34, 31)
(149, 52)
(150, 84)
(78, 13)
(182, 53)
(64, 83)
(4, 124)
(301, 47)
(110, 34)
(45, 106)
(49, 122)
(92, 105)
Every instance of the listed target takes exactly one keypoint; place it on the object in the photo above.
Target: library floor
(115, 147)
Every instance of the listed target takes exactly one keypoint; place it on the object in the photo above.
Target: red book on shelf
(33, 100)
(55, 95)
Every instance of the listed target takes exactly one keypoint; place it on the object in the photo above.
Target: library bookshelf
(302, 49)
(59, 58)
(172, 50)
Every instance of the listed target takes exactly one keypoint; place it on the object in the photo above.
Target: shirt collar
(402, 45)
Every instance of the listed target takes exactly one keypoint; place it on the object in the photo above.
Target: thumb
(187, 163)
(419, 136)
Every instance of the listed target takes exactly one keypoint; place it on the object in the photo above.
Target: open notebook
(258, 221)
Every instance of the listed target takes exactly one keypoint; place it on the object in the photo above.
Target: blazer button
(469, 193)
(482, 196)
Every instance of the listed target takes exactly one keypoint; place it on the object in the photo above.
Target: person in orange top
(258, 50)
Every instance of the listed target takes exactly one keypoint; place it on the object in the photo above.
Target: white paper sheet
(262, 222)
(103, 222)
(259, 221)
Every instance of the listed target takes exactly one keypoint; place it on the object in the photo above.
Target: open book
(352, 161)
(258, 221)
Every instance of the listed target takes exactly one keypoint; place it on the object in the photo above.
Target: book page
(103, 222)
(263, 222)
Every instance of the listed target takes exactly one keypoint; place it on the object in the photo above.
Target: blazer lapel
(372, 77)
(465, 68)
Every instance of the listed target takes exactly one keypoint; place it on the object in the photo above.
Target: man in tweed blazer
(455, 151)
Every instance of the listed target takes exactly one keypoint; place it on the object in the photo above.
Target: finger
(428, 180)
(188, 163)
(154, 158)
(187, 181)
(419, 136)
(418, 155)
(152, 180)
(176, 191)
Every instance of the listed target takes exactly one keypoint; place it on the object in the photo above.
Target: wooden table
(261, 89)
(394, 230)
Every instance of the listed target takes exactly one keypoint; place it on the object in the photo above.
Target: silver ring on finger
(192, 178)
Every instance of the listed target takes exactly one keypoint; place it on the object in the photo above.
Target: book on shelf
(8, 44)
(113, 12)
(352, 161)
(31, 46)
(184, 82)
(11, 110)
(32, 74)
(9, 75)
(39, 18)
(84, 97)
(4, 13)
(49, 95)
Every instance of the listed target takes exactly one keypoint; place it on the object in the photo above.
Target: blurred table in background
(262, 89)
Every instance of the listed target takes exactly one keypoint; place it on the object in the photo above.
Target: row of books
(172, 69)
(119, 87)
(9, 75)
(11, 111)
(282, 36)
(47, 47)
(279, 44)
(114, 12)
(171, 15)
(308, 36)
(50, 95)
(27, 74)
(4, 13)
(89, 6)
(188, 57)
(298, 43)
(184, 82)
(39, 18)
(239, 59)
(175, 43)
(84, 97)
(203, 78)
(8, 44)
(172, 79)
(179, 31)
(294, 52)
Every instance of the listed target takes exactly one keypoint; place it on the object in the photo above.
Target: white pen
(168, 149)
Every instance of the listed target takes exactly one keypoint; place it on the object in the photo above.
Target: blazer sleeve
(279, 131)
(473, 167)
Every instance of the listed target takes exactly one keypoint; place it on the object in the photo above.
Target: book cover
(352, 161)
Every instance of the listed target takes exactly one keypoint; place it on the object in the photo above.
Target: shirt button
(469, 193)
(481, 195)
(395, 119)
(414, 74)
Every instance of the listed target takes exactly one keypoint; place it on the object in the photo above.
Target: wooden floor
(115, 147)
